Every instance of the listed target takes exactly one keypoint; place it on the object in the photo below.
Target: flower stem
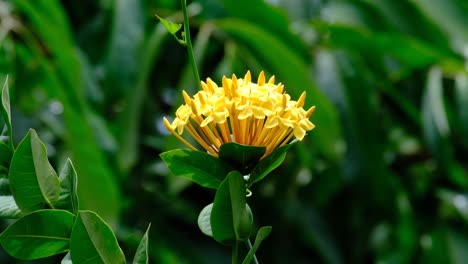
(249, 245)
(235, 253)
(188, 42)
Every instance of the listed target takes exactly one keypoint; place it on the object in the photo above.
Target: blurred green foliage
(382, 179)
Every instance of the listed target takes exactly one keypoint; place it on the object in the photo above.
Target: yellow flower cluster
(241, 111)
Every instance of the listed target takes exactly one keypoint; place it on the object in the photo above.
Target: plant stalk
(235, 253)
(249, 245)
(188, 42)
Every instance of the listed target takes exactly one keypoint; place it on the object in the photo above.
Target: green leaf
(196, 166)
(92, 241)
(68, 198)
(6, 111)
(204, 220)
(262, 233)
(231, 219)
(242, 157)
(37, 235)
(33, 181)
(8, 207)
(269, 163)
(172, 28)
(141, 255)
(461, 91)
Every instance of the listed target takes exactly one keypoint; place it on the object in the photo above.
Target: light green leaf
(196, 166)
(92, 241)
(8, 207)
(33, 182)
(68, 198)
(37, 235)
(204, 220)
(262, 233)
(141, 255)
(172, 28)
(66, 259)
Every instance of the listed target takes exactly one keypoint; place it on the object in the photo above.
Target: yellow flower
(241, 111)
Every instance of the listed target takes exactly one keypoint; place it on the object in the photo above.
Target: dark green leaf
(92, 241)
(6, 111)
(262, 233)
(461, 91)
(231, 219)
(141, 255)
(204, 220)
(33, 181)
(68, 198)
(37, 235)
(242, 157)
(269, 163)
(8, 207)
(196, 166)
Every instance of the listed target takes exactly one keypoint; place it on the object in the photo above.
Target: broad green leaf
(231, 219)
(204, 220)
(196, 166)
(262, 233)
(242, 157)
(37, 235)
(8, 207)
(269, 163)
(5, 157)
(92, 241)
(68, 198)
(33, 181)
(172, 27)
(6, 110)
(141, 255)
(296, 79)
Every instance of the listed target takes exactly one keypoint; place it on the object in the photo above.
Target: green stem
(249, 245)
(235, 253)
(188, 41)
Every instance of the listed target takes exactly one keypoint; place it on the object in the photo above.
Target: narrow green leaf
(8, 207)
(6, 110)
(33, 181)
(37, 235)
(231, 219)
(204, 218)
(269, 163)
(172, 27)
(196, 166)
(141, 255)
(92, 241)
(262, 233)
(461, 91)
(68, 198)
(242, 157)
(5, 157)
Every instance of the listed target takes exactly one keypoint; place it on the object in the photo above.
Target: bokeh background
(382, 179)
